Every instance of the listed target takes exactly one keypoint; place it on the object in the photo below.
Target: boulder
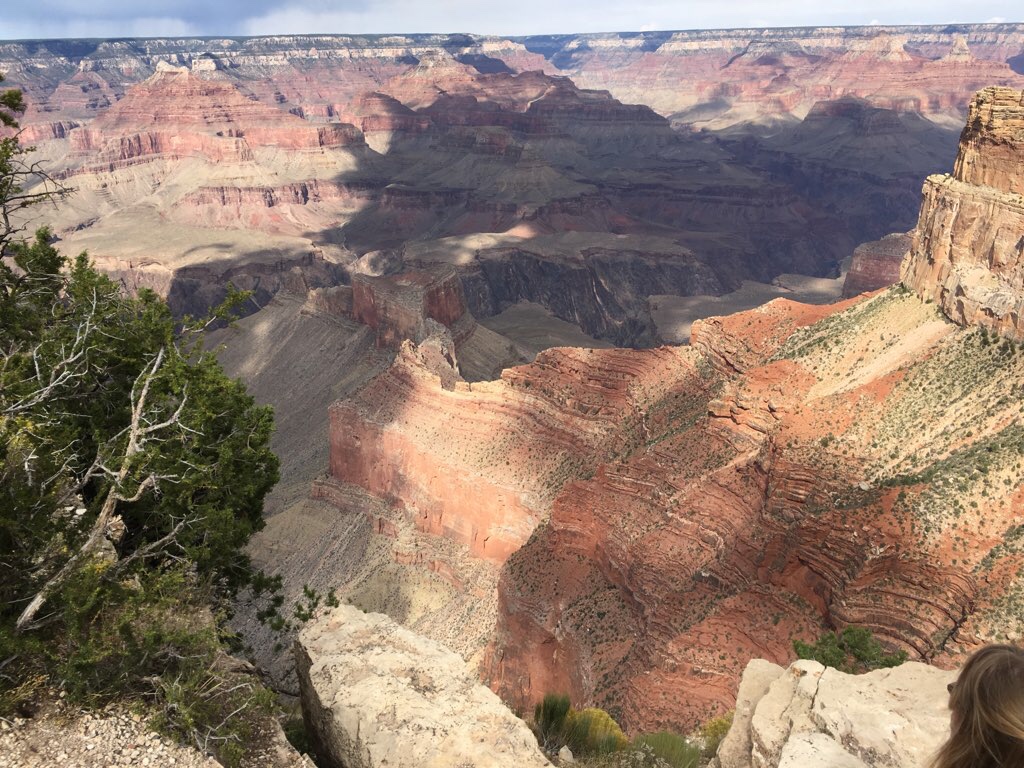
(757, 677)
(812, 715)
(377, 694)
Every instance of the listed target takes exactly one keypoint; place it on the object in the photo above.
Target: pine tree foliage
(132, 474)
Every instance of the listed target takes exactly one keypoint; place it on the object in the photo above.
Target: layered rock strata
(722, 77)
(479, 463)
(968, 250)
(800, 497)
(812, 715)
(876, 264)
(399, 307)
(375, 694)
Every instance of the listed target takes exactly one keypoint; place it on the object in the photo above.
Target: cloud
(84, 27)
(114, 18)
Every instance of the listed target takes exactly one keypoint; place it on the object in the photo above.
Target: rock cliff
(876, 264)
(968, 249)
(721, 77)
(809, 715)
(375, 694)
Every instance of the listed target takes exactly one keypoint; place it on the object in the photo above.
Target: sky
(24, 19)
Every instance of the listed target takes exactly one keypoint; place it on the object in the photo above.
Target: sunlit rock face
(375, 695)
(968, 250)
(812, 715)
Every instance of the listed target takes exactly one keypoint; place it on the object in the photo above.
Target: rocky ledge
(377, 694)
(968, 249)
(812, 715)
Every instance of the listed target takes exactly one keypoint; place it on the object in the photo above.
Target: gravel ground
(65, 736)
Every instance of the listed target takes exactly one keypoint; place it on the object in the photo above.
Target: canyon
(624, 525)
(584, 174)
(465, 256)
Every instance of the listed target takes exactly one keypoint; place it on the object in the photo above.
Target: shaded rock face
(604, 293)
(876, 264)
(398, 307)
(811, 715)
(968, 249)
(375, 694)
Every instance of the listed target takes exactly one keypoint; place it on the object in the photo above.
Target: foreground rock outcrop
(968, 251)
(376, 694)
(810, 715)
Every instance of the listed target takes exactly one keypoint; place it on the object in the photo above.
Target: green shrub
(593, 731)
(549, 718)
(854, 650)
(670, 747)
(132, 474)
(297, 735)
(154, 641)
(713, 731)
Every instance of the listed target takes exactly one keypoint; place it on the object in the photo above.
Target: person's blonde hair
(987, 701)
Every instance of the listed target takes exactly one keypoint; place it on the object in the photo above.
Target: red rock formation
(398, 306)
(180, 114)
(968, 250)
(480, 462)
(876, 264)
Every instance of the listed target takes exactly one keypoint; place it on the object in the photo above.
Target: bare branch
(100, 531)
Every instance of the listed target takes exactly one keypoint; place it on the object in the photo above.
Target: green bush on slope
(854, 650)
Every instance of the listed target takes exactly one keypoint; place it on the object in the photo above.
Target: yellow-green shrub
(592, 731)
(713, 731)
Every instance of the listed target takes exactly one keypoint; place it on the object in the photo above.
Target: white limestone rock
(377, 694)
(808, 715)
(757, 677)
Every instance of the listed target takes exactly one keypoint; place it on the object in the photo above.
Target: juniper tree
(132, 473)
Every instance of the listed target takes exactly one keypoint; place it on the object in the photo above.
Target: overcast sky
(21, 19)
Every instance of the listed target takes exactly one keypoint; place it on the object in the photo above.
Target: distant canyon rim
(470, 259)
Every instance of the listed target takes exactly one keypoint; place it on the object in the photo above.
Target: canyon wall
(876, 264)
(968, 250)
(213, 154)
(717, 78)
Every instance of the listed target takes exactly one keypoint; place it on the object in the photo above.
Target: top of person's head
(987, 701)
